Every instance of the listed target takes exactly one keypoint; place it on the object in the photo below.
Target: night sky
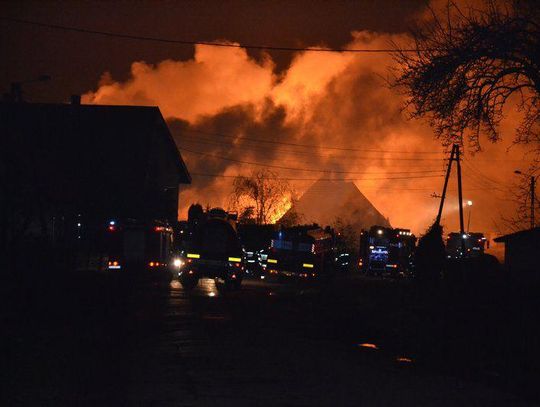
(76, 61)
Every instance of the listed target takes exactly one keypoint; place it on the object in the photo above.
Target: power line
(280, 166)
(480, 174)
(418, 190)
(258, 140)
(209, 43)
(268, 165)
(319, 179)
(286, 155)
(315, 156)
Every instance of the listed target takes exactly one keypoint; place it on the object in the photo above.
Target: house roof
(326, 200)
(528, 233)
(111, 127)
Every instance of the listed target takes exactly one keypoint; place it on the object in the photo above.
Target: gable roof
(528, 233)
(327, 200)
(97, 126)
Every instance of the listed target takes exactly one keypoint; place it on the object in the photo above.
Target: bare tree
(521, 196)
(247, 216)
(262, 194)
(469, 64)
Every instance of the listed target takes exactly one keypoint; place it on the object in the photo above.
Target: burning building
(327, 201)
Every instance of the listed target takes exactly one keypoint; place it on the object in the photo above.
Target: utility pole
(454, 156)
(443, 197)
(460, 197)
(532, 201)
(469, 204)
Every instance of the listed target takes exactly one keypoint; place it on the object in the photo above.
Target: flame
(281, 209)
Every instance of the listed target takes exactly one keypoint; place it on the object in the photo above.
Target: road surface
(266, 344)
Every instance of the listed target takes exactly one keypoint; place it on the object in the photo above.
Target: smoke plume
(220, 102)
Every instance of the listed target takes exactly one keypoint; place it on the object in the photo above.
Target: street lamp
(469, 204)
(533, 180)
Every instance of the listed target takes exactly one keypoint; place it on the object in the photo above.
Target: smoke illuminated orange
(327, 100)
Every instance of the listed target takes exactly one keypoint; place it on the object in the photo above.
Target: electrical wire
(314, 146)
(407, 169)
(281, 166)
(471, 167)
(310, 157)
(209, 43)
(320, 179)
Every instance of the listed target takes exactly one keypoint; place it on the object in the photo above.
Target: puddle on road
(368, 346)
(208, 287)
(404, 360)
(175, 284)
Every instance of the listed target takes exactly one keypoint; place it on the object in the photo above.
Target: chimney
(75, 100)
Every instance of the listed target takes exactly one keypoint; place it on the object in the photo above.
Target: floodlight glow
(178, 263)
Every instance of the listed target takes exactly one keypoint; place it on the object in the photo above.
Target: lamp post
(531, 186)
(469, 204)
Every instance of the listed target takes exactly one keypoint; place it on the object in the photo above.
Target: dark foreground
(98, 343)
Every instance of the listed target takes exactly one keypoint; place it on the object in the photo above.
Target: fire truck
(255, 242)
(211, 248)
(474, 244)
(300, 252)
(386, 250)
(139, 248)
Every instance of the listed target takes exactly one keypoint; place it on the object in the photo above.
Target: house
(328, 201)
(521, 250)
(61, 163)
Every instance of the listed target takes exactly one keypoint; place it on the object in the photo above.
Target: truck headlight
(178, 263)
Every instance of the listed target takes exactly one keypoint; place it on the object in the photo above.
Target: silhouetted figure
(430, 257)
(195, 213)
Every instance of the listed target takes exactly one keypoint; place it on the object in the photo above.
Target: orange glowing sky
(320, 99)
(327, 100)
